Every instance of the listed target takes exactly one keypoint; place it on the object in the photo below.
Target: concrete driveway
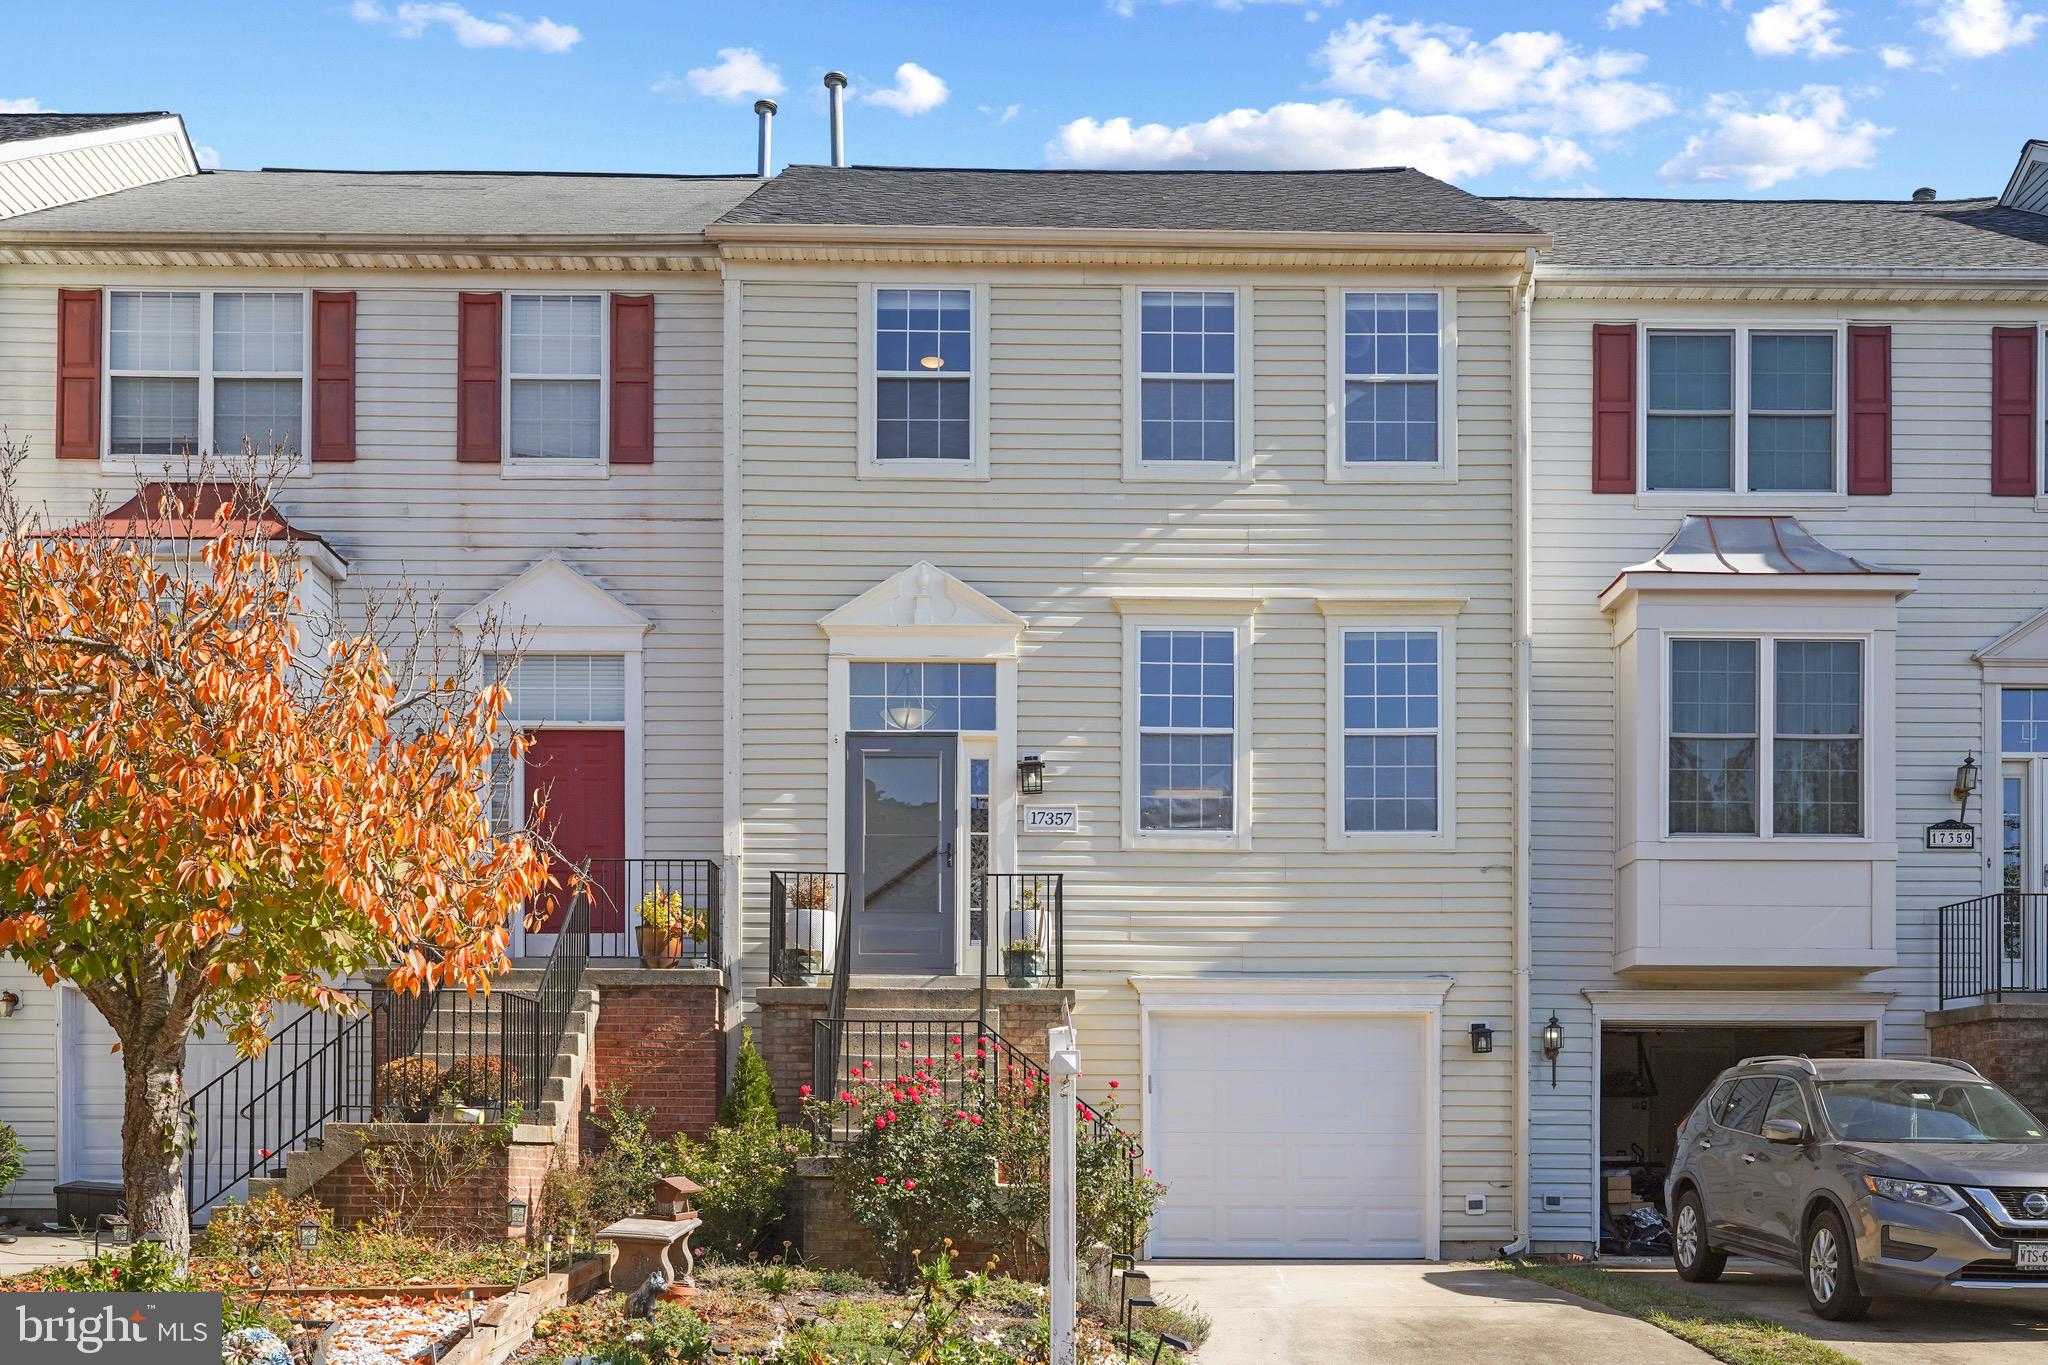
(1318, 1312)
(1897, 1332)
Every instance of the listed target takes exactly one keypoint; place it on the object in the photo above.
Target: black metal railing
(1026, 928)
(625, 891)
(1994, 946)
(562, 979)
(805, 912)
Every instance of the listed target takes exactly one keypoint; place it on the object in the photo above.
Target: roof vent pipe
(1924, 195)
(765, 155)
(835, 85)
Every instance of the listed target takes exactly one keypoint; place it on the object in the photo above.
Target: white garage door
(92, 1088)
(1303, 1136)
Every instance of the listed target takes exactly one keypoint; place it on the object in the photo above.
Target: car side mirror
(1788, 1131)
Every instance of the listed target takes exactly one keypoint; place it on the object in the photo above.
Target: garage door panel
(1269, 1150)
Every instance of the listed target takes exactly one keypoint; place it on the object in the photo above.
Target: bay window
(1723, 740)
(1741, 410)
(192, 371)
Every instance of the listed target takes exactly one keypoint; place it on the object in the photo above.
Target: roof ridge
(1920, 205)
(563, 175)
(1111, 170)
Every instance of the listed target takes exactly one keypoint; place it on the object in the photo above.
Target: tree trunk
(155, 1134)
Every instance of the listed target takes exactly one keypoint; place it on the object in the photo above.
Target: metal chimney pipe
(765, 155)
(1923, 195)
(835, 85)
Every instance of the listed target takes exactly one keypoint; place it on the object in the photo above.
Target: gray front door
(901, 824)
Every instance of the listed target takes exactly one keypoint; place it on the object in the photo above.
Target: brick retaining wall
(2006, 1040)
(661, 1039)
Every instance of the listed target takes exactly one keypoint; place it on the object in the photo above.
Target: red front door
(579, 776)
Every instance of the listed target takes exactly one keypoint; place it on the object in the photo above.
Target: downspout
(1524, 486)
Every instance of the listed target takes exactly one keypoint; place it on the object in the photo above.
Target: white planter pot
(818, 931)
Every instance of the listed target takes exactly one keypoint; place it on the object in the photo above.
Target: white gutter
(1524, 489)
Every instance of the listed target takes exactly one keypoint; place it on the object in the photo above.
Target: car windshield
(1925, 1111)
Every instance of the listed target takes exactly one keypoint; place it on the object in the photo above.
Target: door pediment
(924, 612)
(2023, 650)
(555, 607)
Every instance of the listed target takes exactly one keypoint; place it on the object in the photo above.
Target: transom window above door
(921, 696)
(199, 370)
(924, 375)
(555, 373)
(1187, 376)
(2023, 720)
(1742, 410)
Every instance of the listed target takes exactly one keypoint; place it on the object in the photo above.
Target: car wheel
(1830, 1263)
(1695, 1259)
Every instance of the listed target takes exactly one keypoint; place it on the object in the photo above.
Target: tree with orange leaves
(200, 819)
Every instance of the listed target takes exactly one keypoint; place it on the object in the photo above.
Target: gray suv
(1870, 1177)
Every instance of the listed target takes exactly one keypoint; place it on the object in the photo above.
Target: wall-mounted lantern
(1031, 775)
(9, 1003)
(1968, 775)
(1482, 1038)
(1553, 1043)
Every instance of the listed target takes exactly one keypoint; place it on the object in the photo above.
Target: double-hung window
(1187, 730)
(1187, 381)
(1393, 359)
(1724, 739)
(1742, 410)
(924, 377)
(196, 370)
(555, 377)
(1392, 690)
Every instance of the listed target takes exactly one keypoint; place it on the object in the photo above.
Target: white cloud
(917, 91)
(1007, 114)
(1332, 134)
(739, 75)
(23, 106)
(1808, 133)
(1981, 28)
(209, 159)
(1530, 79)
(505, 30)
(1631, 13)
(1792, 28)
(1896, 58)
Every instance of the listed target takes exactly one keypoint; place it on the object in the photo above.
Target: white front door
(1305, 1136)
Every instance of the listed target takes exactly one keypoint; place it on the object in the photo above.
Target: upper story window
(1809, 739)
(555, 376)
(1393, 724)
(1742, 410)
(921, 696)
(1392, 377)
(199, 370)
(2023, 720)
(924, 374)
(1187, 377)
(1187, 752)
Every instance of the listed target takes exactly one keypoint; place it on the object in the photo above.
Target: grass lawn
(1737, 1338)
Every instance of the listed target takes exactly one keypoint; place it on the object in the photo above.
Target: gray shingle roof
(1959, 234)
(407, 203)
(1392, 199)
(22, 127)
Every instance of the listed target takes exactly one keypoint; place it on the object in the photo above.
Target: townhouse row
(1436, 678)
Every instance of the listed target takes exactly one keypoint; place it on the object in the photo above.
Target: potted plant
(670, 928)
(1020, 961)
(407, 1088)
(813, 927)
(1027, 907)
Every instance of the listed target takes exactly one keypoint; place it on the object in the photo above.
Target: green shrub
(481, 1080)
(407, 1088)
(673, 1336)
(10, 1157)
(144, 1268)
(751, 1097)
(745, 1173)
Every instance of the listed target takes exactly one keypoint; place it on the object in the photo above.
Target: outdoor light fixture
(1031, 775)
(909, 717)
(1553, 1043)
(309, 1235)
(1967, 777)
(515, 1212)
(118, 1231)
(9, 1003)
(1482, 1037)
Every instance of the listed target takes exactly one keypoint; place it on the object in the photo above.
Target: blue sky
(1826, 98)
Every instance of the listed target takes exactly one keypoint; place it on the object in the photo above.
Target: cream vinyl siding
(650, 533)
(1981, 574)
(1051, 533)
(65, 177)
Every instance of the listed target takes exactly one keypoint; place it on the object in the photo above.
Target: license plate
(2031, 1256)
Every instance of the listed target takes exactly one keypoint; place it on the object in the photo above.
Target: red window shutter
(1614, 407)
(479, 378)
(2012, 412)
(334, 377)
(632, 379)
(78, 374)
(1870, 410)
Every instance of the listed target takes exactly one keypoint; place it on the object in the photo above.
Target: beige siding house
(52, 159)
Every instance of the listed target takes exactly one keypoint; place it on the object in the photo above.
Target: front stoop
(2007, 1040)
(1020, 1015)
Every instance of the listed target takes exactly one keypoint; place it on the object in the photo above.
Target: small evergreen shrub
(751, 1097)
